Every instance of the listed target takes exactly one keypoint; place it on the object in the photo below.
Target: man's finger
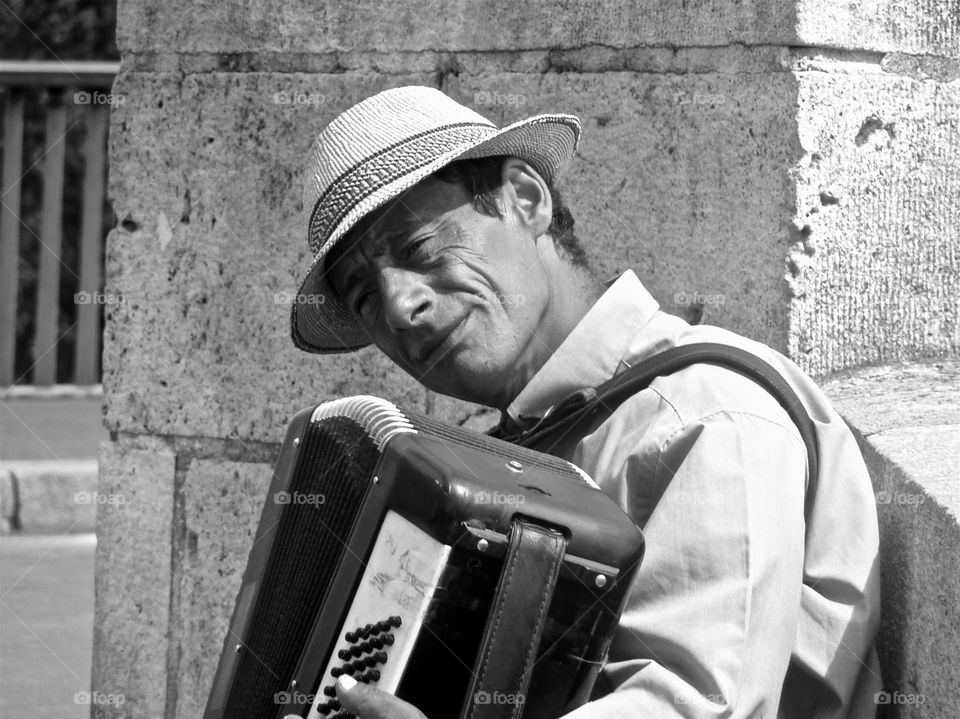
(367, 702)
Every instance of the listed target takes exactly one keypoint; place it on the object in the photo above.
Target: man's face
(454, 297)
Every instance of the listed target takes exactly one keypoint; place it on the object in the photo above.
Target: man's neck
(573, 291)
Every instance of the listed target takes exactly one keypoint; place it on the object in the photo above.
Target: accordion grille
(336, 466)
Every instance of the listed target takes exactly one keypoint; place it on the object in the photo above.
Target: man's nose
(407, 298)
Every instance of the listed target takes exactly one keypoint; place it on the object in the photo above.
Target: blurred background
(58, 59)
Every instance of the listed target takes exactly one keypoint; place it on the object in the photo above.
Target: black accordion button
(330, 691)
(395, 621)
(328, 707)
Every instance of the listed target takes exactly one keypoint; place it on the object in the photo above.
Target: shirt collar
(592, 353)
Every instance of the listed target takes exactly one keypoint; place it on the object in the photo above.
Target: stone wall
(907, 419)
(752, 161)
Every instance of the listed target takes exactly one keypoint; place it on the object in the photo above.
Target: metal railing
(59, 85)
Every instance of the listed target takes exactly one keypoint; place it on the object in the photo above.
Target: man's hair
(481, 179)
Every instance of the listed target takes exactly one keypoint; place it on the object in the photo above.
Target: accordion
(463, 574)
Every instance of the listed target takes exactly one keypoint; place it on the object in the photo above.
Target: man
(441, 240)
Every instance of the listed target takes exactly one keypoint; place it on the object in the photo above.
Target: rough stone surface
(328, 27)
(920, 553)
(222, 504)
(873, 261)
(907, 395)
(908, 421)
(305, 27)
(886, 25)
(133, 577)
(53, 496)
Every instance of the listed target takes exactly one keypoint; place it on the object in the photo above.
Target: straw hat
(381, 147)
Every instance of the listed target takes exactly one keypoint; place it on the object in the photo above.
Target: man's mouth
(431, 351)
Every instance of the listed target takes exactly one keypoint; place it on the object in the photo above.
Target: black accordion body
(466, 575)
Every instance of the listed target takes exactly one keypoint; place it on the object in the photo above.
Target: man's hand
(367, 702)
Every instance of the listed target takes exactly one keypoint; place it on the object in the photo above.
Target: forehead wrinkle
(396, 232)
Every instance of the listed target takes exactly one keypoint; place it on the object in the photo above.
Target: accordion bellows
(379, 554)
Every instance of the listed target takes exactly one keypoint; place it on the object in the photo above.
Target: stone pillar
(787, 170)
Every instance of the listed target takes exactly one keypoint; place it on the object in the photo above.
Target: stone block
(54, 496)
(920, 566)
(910, 394)
(873, 259)
(328, 27)
(133, 578)
(884, 26)
(908, 423)
(222, 504)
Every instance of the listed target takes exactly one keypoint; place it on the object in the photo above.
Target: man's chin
(480, 385)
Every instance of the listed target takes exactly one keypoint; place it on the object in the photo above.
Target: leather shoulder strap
(517, 616)
(585, 408)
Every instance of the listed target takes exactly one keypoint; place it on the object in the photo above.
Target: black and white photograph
(479, 360)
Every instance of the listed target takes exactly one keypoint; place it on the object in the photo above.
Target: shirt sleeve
(712, 615)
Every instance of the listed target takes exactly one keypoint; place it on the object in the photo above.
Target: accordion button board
(387, 615)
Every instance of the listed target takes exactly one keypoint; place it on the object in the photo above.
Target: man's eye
(410, 249)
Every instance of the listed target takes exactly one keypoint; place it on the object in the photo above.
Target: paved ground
(50, 428)
(46, 580)
(46, 625)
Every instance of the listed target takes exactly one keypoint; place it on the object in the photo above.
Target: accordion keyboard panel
(387, 614)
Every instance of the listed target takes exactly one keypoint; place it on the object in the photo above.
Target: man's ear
(526, 196)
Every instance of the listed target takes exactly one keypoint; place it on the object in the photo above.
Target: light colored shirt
(742, 607)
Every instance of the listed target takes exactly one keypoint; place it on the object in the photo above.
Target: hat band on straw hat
(357, 183)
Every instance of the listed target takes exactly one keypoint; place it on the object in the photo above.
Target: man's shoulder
(704, 390)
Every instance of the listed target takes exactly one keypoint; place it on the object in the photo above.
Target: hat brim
(320, 323)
